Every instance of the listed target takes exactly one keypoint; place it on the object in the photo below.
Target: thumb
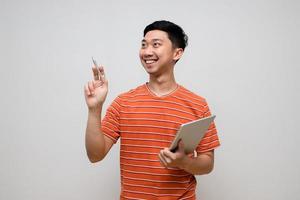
(181, 146)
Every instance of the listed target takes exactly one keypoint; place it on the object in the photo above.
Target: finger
(168, 154)
(91, 87)
(181, 146)
(96, 73)
(162, 160)
(86, 90)
(101, 74)
(97, 84)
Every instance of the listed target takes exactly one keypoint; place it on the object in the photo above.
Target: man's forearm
(203, 164)
(94, 138)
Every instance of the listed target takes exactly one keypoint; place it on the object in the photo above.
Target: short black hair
(175, 33)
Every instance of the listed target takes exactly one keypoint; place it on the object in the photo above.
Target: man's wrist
(95, 111)
(186, 161)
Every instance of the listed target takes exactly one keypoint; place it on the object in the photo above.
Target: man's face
(157, 54)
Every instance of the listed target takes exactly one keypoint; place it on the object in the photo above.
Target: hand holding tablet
(191, 134)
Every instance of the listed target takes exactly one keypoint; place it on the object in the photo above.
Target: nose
(148, 51)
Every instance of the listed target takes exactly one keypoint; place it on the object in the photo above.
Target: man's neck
(163, 84)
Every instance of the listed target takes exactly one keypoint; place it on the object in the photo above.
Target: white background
(243, 57)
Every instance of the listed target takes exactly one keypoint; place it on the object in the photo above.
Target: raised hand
(95, 91)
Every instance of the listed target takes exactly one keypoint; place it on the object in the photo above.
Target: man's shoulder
(133, 93)
(190, 95)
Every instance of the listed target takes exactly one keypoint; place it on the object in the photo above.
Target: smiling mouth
(150, 61)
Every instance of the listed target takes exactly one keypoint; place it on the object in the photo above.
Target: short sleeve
(210, 140)
(110, 125)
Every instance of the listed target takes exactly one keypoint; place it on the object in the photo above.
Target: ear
(178, 52)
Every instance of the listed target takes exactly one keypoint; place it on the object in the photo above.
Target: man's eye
(156, 44)
(143, 45)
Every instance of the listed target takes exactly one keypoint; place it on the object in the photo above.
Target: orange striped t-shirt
(146, 124)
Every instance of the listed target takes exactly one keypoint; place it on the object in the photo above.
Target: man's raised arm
(95, 92)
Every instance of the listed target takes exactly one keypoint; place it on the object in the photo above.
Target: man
(147, 118)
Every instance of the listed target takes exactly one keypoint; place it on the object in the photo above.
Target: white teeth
(150, 61)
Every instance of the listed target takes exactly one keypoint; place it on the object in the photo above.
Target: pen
(95, 63)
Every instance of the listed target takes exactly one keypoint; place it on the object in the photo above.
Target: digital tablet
(191, 134)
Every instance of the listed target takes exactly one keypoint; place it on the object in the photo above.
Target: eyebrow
(153, 40)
